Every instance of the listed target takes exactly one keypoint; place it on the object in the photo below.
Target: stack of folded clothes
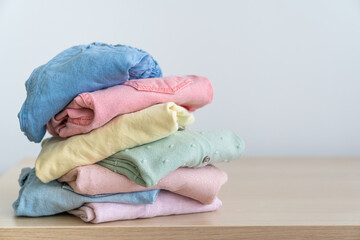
(119, 148)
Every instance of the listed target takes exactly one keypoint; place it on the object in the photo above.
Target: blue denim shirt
(83, 68)
(40, 199)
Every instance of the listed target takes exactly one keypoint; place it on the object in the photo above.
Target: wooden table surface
(265, 198)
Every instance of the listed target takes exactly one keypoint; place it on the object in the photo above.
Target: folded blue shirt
(83, 68)
(40, 199)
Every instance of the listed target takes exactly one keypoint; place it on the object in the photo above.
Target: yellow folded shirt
(60, 155)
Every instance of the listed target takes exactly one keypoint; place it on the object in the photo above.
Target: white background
(286, 74)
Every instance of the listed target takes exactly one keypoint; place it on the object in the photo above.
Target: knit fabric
(59, 155)
(148, 163)
(202, 184)
(167, 203)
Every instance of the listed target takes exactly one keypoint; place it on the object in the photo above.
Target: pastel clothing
(40, 199)
(58, 155)
(167, 203)
(79, 69)
(148, 163)
(91, 110)
(202, 184)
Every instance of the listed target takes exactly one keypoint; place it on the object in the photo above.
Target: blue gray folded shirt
(40, 199)
(79, 69)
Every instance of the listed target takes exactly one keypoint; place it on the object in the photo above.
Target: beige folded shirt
(59, 155)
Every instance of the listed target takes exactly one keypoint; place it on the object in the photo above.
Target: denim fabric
(148, 163)
(39, 199)
(89, 111)
(79, 69)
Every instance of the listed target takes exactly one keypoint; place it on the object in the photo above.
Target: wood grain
(265, 198)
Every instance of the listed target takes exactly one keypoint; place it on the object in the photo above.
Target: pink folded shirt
(202, 184)
(166, 203)
(92, 110)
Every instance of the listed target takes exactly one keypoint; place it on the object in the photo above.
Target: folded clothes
(167, 203)
(202, 184)
(91, 110)
(82, 68)
(40, 199)
(148, 163)
(59, 155)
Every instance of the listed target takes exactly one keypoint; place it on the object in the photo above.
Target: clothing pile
(119, 149)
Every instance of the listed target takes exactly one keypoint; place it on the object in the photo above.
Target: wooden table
(265, 198)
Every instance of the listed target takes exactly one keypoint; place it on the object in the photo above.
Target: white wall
(286, 74)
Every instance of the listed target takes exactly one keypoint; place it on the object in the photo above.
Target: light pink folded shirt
(202, 184)
(166, 203)
(92, 110)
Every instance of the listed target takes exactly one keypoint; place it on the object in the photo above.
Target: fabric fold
(79, 69)
(202, 184)
(40, 199)
(167, 203)
(58, 155)
(148, 163)
(92, 110)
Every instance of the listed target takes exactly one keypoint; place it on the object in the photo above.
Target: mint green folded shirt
(148, 163)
